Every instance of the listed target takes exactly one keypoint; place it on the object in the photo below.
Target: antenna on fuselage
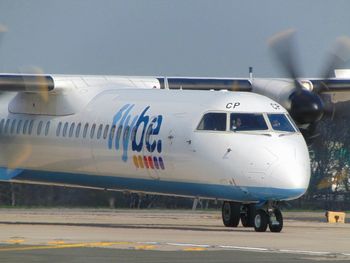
(250, 73)
(166, 83)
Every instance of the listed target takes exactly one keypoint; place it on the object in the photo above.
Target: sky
(159, 37)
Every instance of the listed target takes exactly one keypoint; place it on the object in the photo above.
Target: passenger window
(111, 133)
(30, 128)
(105, 133)
(71, 129)
(133, 133)
(47, 128)
(13, 126)
(92, 132)
(148, 133)
(65, 128)
(99, 131)
(40, 125)
(86, 127)
(19, 127)
(126, 133)
(2, 125)
(280, 122)
(58, 131)
(25, 126)
(213, 122)
(7, 125)
(119, 132)
(247, 122)
(77, 131)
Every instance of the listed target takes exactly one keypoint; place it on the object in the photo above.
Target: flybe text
(135, 131)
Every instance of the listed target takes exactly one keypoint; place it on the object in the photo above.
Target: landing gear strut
(267, 216)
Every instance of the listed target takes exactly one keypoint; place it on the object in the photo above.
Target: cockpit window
(280, 122)
(247, 122)
(213, 121)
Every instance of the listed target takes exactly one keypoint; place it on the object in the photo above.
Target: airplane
(152, 135)
(239, 147)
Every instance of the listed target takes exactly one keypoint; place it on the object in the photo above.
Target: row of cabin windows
(99, 131)
(73, 129)
(15, 126)
(67, 129)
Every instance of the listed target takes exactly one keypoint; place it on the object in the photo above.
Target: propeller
(306, 106)
(31, 77)
(337, 58)
(3, 30)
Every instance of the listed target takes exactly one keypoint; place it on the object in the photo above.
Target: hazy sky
(156, 37)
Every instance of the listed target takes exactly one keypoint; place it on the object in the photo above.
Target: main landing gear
(267, 216)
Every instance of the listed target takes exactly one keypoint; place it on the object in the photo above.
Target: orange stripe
(135, 161)
(140, 162)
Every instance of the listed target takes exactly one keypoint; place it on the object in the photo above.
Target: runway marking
(187, 245)
(145, 247)
(15, 241)
(304, 252)
(195, 249)
(245, 248)
(60, 246)
(149, 245)
(58, 242)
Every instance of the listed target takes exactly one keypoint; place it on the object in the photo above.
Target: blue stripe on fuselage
(8, 174)
(225, 192)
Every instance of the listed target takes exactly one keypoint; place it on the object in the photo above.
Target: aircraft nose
(292, 171)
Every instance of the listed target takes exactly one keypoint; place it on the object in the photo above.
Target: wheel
(247, 215)
(276, 221)
(245, 220)
(231, 212)
(261, 220)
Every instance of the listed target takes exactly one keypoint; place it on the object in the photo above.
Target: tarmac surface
(102, 235)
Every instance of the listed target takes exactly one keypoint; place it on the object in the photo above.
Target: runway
(90, 235)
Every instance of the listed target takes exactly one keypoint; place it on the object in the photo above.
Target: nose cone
(306, 106)
(292, 171)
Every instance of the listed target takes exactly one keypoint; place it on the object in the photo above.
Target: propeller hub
(306, 107)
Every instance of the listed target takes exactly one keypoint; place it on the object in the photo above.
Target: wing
(27, 83)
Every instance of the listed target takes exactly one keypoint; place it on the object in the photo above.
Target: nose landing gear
(268, 216)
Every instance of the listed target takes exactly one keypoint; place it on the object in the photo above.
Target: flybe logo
(138, 133)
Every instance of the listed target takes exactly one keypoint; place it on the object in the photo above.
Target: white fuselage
(147, 140)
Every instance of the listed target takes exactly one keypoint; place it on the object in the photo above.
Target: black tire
(245, 220)
(261, 220)
(247, 215)
(231, 212)
(276, 222)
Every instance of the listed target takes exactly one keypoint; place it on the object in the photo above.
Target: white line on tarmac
(245, 248)
(259, 249)
(187, 245)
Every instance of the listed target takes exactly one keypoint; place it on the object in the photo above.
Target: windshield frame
(265, 115)
(245, 119)
(287, 119)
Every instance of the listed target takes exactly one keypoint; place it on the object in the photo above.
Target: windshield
(247, 122)
(213, 121)
(280, 122)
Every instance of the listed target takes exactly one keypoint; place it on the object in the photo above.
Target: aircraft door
(179, 143)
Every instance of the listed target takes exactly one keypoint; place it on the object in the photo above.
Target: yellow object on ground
(335, 217)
